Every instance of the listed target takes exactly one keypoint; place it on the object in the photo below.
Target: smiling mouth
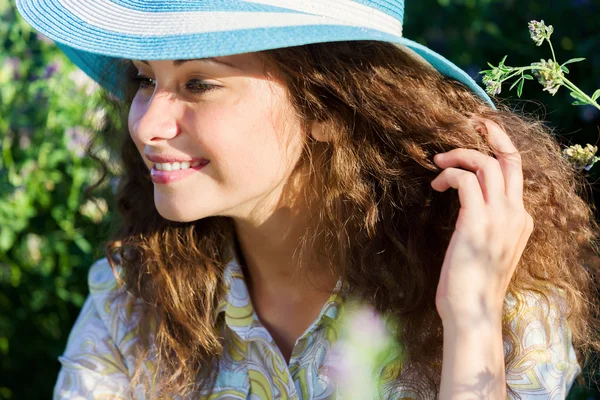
(176, 166)
(165, 177)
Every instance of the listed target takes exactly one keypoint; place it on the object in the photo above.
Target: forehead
(249, 62)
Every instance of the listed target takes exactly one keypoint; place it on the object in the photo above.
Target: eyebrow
(209, 59)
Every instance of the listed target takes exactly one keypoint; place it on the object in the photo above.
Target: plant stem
(575, 89)
(552, 48)
(519, 70)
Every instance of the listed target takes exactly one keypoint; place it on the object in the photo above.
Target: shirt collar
(239, 314)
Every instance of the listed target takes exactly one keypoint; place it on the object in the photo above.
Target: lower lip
(164, 177)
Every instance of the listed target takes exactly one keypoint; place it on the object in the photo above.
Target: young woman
(281, 158)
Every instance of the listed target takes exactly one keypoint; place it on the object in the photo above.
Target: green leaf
(520, 88)
(515, 84)
(83, 244)
(7, 238)
(504, 59)
(579, 103)
(565, 69)
(528, 77)
(574, 60)
(579, 97)
(596, 95)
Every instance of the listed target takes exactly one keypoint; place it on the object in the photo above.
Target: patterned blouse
(99, 358)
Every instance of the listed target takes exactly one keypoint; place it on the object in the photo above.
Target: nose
(157, 119)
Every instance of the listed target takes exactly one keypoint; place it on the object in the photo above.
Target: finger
(486, 168)
(510, 162)
(467, 184)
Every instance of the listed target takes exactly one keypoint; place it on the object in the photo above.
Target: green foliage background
(51, 232)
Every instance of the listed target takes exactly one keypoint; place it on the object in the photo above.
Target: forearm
(473, 364)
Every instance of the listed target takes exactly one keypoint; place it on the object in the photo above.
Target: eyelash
(141, 81)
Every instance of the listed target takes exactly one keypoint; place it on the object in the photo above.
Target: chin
(176, 214)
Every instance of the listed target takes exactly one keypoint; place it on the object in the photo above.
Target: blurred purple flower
(367, 323)
(51, 70)
(114, 184)
(589, 113)
(43, 38)
(354, 358)
(28, 169)
(14, 64)
(78, 139)
(24, 142)
(83, 82)
(24, 135)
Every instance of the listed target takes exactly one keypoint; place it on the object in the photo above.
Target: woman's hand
(491, 231)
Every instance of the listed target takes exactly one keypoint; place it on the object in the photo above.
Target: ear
(317, 131)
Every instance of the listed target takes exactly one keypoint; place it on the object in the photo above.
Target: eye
(197, 86)
(194, 85)
(142, 82)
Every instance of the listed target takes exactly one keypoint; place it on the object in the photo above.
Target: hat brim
(92, 48)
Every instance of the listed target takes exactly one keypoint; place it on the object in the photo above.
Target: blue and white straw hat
(90, 32)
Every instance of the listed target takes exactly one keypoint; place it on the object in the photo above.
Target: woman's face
(233, 125)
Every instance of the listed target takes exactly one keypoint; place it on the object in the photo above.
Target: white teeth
(175, 166)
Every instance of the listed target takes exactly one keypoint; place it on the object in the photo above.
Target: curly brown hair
(380, 225)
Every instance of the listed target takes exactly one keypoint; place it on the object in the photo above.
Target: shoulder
(110, 297)
(101, 276)
(544, 361)
(114, 307)
(109, 319)
(100, 351)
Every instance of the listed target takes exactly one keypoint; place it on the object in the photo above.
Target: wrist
(473, 327)
(473, 349)
(470, 313)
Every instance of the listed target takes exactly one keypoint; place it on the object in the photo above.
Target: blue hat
(91, 32)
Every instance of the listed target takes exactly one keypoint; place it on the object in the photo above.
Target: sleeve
(545, 365)
(92, 365)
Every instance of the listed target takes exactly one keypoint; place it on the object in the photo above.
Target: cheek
(135, 113)
(248, 145)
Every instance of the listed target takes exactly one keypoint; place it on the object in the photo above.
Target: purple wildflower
(43, 39)
(51, 70)
(539, 31)
(492, 87)
(14, 65)
(78, 139)
(83, 82)
(551, 77)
